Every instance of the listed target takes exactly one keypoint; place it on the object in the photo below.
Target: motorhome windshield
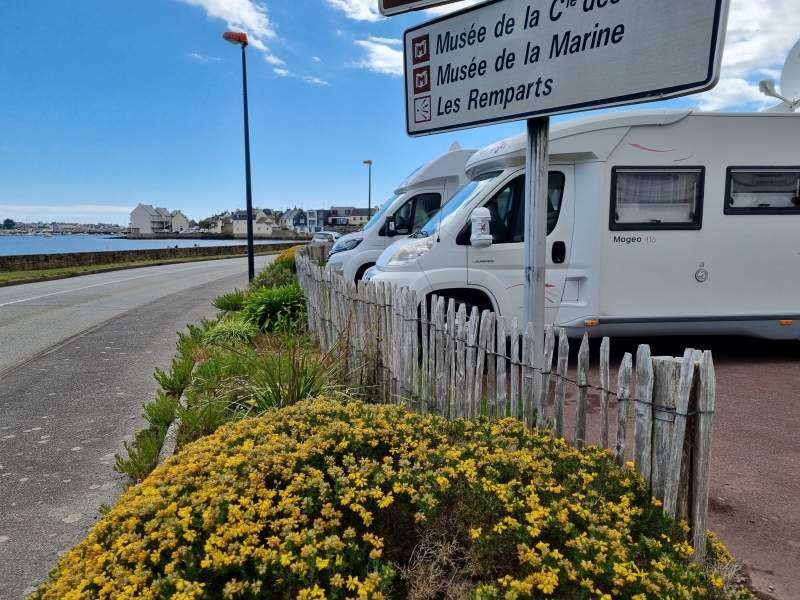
(378, 216)
(467, 193)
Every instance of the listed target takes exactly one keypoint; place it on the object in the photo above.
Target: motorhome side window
(656, 198)
(762, 191)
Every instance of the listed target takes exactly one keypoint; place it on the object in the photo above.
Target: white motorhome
(660, 222)
(416, 199)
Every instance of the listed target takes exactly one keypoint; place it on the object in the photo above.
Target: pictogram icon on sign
(422, 80)
(422, 109)
(421, 48)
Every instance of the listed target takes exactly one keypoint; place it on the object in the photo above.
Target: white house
(240, 221)
(179, 221)
(146, 219)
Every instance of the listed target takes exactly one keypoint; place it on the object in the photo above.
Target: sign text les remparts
(508, 60)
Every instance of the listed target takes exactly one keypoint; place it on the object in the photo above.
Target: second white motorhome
(416, 199)
(660, 222)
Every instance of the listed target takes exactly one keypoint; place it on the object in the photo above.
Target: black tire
(362, 270)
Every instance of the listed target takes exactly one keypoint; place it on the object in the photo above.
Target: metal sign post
(536, 186)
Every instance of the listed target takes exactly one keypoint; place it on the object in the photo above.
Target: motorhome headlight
(410, 251)
(344, 246)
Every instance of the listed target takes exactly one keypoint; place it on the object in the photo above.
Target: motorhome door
(498, 269)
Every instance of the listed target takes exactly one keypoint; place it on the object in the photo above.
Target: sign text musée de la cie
(508, 60)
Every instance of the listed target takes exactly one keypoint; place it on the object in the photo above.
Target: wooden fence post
(472, 343)
(665, 398)
(491, 366)
(480, 351)
(623, 401)
(514, 369)
(561, 383)
(544, 389)
(583, 388)
(605, 351)
(452, 332)
(461, 365)
(423, 395)
(528, 364)
(643, 411)
(502, 383)
(442, 373)
(701, 457)
(673, 482)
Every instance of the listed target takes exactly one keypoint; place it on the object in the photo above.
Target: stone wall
(36, 262)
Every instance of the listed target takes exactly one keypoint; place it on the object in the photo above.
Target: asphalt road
(76, 363)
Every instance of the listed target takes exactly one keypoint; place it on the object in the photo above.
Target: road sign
(508, 60)
(395, 7)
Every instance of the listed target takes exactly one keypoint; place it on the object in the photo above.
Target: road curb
(171, 437)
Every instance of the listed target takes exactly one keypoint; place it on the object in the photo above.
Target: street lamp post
(369, 197)
(240, 39)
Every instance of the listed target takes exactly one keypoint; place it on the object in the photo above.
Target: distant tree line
(9, 224)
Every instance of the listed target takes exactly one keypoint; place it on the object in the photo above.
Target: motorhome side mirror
(481, 234)
(389, 226)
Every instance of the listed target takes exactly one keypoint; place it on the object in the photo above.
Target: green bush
(235, 383)
(161, 412)
(142, 454)
(230, 302)
(231, 332)
(275, 309)
(350, 500)
(273, 276)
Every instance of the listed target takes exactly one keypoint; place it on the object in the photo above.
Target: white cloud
(202, 57)
(273, 60)
(317, 58)
(315, 80)
(242, 15)
(381, 58)
(282, 72)
(359, 10)
(760, 35)
(387, 41)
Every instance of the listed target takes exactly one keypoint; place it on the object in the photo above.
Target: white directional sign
(508, 60)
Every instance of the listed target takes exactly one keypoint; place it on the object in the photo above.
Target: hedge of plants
(253, 356)
(343, 499)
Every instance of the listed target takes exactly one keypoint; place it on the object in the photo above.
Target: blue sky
(105, 104)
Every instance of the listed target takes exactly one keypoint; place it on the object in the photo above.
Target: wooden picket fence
(435, 358)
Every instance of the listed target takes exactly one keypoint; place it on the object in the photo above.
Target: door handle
(559, 252)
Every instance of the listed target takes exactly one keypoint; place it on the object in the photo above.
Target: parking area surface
(754, 504)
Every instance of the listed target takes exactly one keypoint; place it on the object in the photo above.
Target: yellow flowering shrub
(351, 500)
(287, 257)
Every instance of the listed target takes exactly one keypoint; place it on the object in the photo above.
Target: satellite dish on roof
(790, 83)
(790, 78)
